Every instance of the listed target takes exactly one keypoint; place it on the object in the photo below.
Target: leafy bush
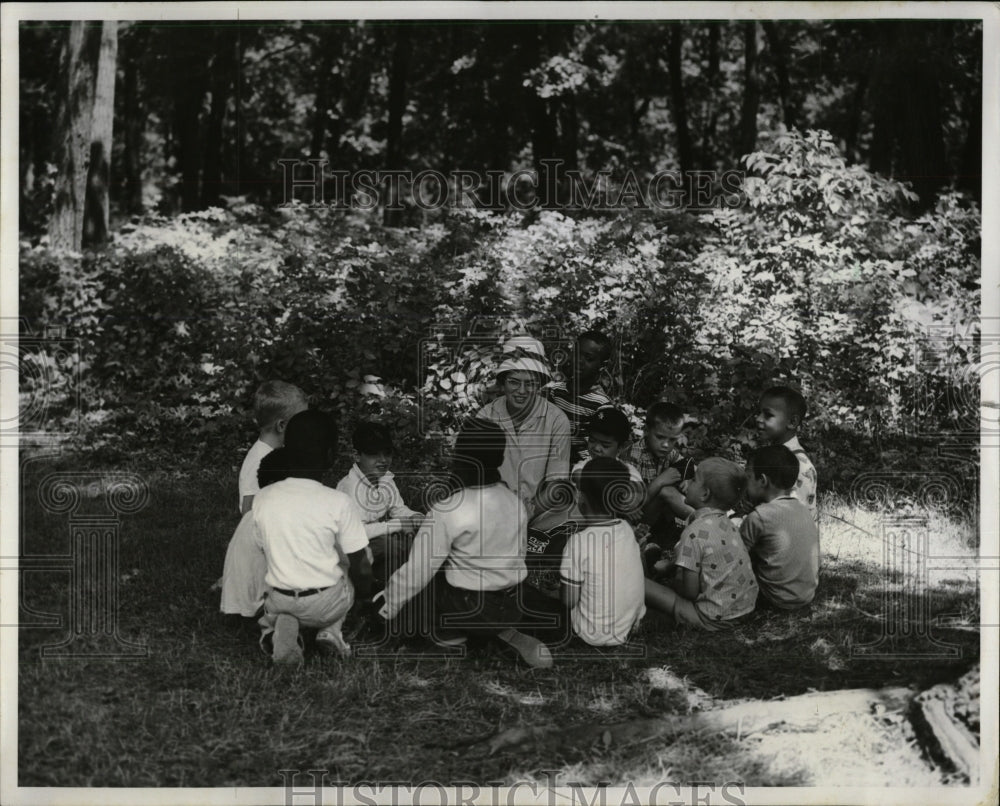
(820, 280)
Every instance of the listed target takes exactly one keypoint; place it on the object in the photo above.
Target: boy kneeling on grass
(304, 529)
(780, 534)
(469, 556)
(714, 583)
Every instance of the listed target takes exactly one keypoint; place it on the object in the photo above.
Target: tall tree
(675, 41)
(134, 41)
(751, 90)
(397, 105)
(83, 131)
(779, 51)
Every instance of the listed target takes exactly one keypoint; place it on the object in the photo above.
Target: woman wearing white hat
(538, 433)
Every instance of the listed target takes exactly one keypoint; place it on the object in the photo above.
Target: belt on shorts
(300, 594)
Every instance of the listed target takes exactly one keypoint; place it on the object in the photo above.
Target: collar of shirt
(705, 512)
(793, 444)
(360, 478)
(535, 414)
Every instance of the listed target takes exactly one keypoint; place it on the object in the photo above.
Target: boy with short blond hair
(779, 533)
(782, 410)
(274, 404)
(242, 583)
(714, 585)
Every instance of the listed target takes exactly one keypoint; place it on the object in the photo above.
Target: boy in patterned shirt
(714, 585)
(782, 410)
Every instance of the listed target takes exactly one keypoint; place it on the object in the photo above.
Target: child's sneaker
(331, 642)
(287, 644)
(533, 651)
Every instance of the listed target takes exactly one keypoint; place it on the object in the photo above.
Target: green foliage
(819, 280)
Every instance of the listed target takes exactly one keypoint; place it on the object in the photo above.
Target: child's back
(711, 545)
(783, 543)
(603, 560)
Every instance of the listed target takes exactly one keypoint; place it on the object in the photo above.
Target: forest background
(159, 244)
(163, 275)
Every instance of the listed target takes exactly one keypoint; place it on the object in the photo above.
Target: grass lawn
(205, 707)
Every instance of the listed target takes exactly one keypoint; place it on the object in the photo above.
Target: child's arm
(688, 584)
(431, 547)
(571, 572)
(569, 592)
(360, 574)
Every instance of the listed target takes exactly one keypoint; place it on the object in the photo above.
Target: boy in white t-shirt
(242, 583)
(601, 572)
(306, 531)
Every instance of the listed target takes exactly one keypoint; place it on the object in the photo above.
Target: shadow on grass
(205, 708)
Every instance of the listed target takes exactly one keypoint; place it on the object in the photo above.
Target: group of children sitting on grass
(558, 527)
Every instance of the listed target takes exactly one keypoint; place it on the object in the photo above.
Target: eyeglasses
(527, 386)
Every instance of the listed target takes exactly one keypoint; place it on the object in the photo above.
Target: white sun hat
(524, 354)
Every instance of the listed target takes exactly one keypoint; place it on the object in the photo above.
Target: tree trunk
(712, 118)
(134, 120)
(779, 47)
(675, 41)
(96, 220)
(394, 134)
(908, 140)
(751, 90)
(543, 124)
(78, 60)
(222, 78)
(327, 43)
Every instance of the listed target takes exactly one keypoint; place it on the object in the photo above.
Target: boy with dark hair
(303, 529)
(370, 485)
(714, 584)
(664, 470)
(782, 410)
(601, 571)
(580, 394)
(469, 555)
(779, 533)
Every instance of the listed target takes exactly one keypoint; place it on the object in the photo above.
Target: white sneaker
(331, 642)
(287, 644)
(533, 651)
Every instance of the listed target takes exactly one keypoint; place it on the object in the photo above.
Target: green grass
(205, 708)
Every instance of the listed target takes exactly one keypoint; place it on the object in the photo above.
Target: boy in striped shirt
(580, 394)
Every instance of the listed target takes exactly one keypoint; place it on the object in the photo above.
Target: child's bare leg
(660, 597)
